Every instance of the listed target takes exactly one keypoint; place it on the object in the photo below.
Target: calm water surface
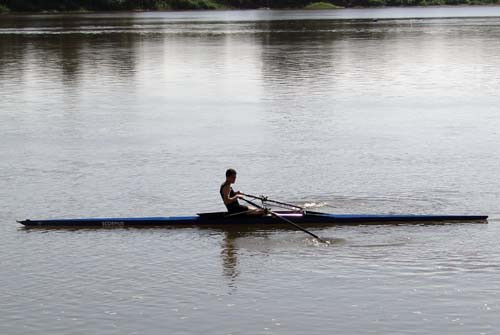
(139, 114)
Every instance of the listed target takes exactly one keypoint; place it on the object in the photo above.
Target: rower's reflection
(230, 250)
(230, 255)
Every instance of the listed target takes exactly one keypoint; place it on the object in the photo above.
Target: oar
(281, 204)
(287, 221)
(266, 199)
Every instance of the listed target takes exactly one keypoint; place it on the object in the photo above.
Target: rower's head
(231, 175)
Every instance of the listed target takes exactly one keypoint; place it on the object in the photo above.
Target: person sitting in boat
(231, 197)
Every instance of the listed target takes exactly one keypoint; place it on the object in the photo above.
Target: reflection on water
(261, 240)
(229, 255)
(135, 114)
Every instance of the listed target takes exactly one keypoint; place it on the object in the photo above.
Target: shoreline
(152, 10)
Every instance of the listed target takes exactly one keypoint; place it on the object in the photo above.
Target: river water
(349, 111)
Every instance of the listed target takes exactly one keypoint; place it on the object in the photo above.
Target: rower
(231, 197)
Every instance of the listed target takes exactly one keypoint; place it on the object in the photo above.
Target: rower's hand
(238, 193)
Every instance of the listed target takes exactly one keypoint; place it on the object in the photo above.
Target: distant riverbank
(114, 5)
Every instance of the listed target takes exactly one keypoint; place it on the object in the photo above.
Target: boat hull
(222, 219)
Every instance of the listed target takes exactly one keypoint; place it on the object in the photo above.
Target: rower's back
(234, 206)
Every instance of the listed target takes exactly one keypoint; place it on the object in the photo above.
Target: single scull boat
(295, 215)
(305, 218)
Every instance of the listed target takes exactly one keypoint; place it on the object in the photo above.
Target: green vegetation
(77, 5)
(83, 5)
(193, 4)
(321, 5)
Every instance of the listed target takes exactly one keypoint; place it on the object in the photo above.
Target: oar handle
(263, 198)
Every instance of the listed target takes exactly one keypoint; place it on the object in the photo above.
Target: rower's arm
(226, 190)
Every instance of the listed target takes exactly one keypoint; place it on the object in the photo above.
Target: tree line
(96, 5)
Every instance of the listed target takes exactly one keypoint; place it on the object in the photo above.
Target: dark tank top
(234, 206)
